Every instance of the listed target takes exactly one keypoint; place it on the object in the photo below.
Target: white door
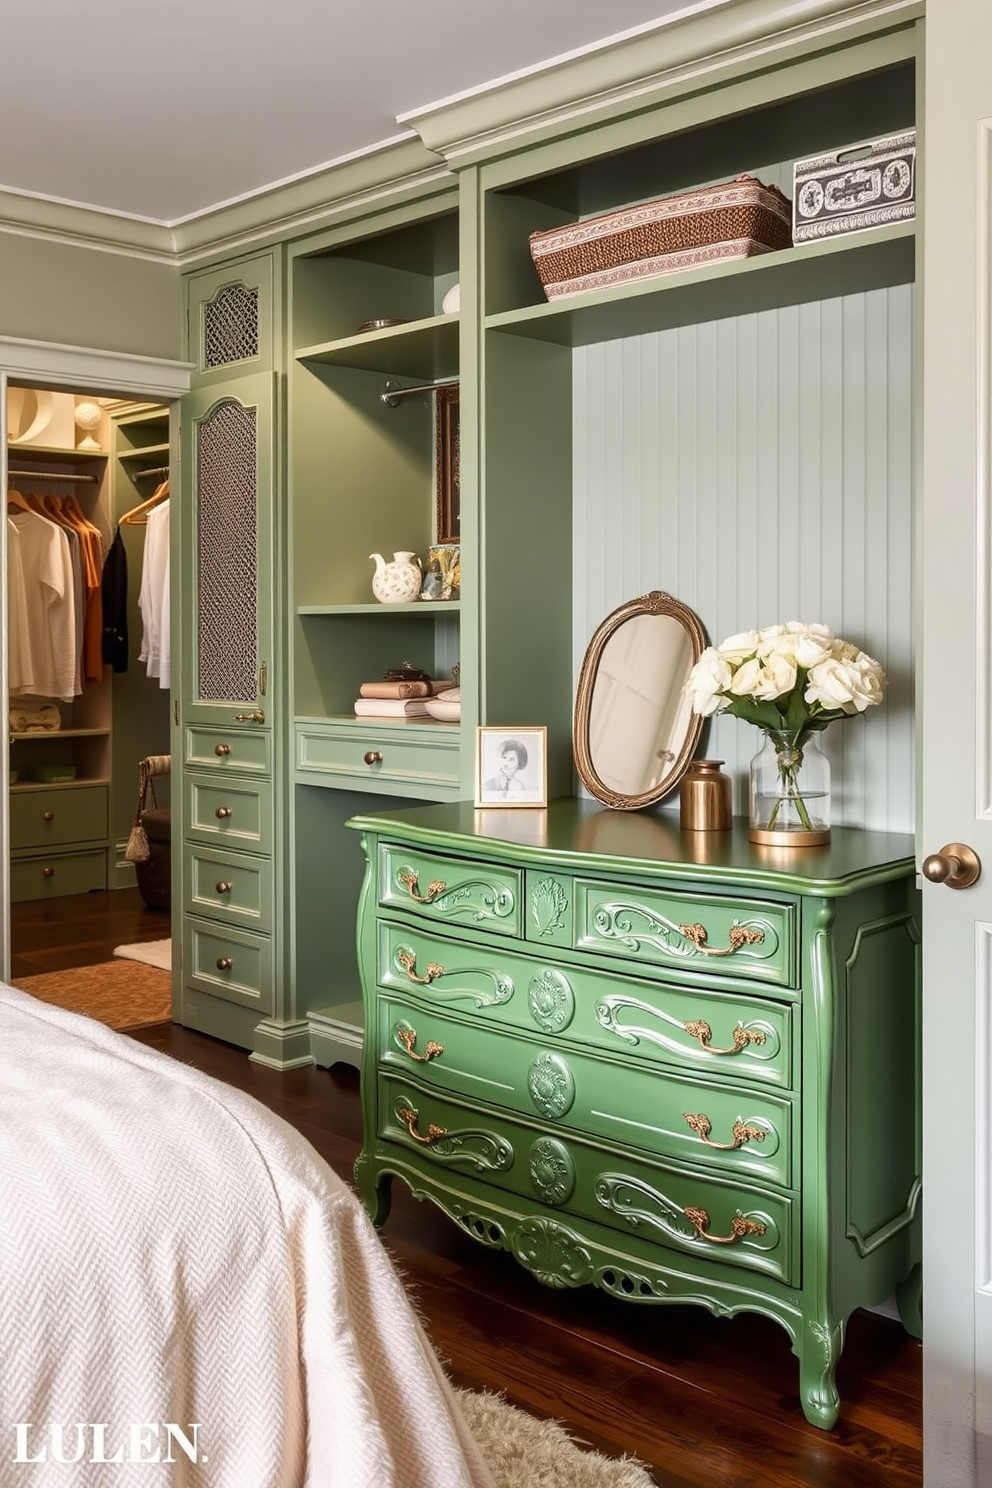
(956, 675)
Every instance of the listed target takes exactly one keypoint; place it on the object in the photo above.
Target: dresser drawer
(703, 1030)
(228, 963)
(724, 1219)
(228, 887)
(231, 810)
(39, 818)
(701, 934)
(395, 757)
(486, 897)
(727, 1128)
(51, 876)
(229, 749)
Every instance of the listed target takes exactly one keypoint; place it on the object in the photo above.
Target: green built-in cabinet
(670, 1069)
(283, 333)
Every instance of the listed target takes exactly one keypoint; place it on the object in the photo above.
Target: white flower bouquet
(791, 681)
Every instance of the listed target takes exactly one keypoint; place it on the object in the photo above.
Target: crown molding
(122, 372)
(638, 70)
(389, 173)
(80, 226)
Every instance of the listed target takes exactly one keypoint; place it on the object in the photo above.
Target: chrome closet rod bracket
(393, 391)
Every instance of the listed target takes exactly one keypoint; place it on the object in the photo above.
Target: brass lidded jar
(704, 798)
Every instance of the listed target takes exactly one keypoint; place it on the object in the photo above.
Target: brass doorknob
(956, 865)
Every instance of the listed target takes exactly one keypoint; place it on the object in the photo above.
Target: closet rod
(156, 470)
(47, 475)
(392, 392)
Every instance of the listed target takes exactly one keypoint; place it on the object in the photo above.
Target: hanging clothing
(49, 604)
(20, 669)
(114, 595)
(153, 599)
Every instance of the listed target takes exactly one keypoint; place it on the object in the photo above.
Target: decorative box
(855, 187)
(736, 219)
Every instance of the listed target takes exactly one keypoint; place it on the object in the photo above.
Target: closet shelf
(147, 452)
(426, 608)
(51, 735)
(425, 349)
(875, 259)
(24, 787)
(54, 451)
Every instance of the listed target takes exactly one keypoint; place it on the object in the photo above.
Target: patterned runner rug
(122, 994)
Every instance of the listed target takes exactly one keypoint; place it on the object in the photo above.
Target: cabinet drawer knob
(698, 1028)
(408, 961)
(48, 872)
(224, 886)
(222, 813)
(408, 1038)
(224, 963)
(410, 1118)
(221, 749)
(49, 816)
(737, 936)
(740, 1131)
(411, 883)
(740, 1227)
(373, 757)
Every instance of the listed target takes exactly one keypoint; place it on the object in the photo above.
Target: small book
(395, 689)
(366, 707)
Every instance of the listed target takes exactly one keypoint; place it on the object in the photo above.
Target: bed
(185, 1282)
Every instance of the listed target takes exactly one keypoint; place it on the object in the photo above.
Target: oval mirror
(633, 732)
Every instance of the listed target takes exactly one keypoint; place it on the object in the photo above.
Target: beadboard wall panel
(761, 470)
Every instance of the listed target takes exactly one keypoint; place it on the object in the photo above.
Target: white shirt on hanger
(49, 606)
(153, 598)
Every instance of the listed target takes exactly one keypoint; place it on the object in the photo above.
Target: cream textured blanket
(188, 1291)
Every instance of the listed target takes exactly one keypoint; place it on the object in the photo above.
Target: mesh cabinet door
(228, 562)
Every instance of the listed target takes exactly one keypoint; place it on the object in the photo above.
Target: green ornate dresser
(672, 1066)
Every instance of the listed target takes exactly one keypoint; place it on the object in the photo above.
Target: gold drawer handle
(740, 1227)
(741, 1132)
(411, 883)
(48, 816)
(222, 813)
(224, 963)
(408, 1038)
(221, 749)
(698, 1028)
(739, 935)
(408, 961)
(224, 886)
(255, 716)
(410, 1119)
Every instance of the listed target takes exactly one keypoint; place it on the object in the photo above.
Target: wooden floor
(700, 1400)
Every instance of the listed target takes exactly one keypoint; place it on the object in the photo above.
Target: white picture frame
(511, 766)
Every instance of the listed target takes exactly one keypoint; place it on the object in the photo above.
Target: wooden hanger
(137, 517)
(17, 501)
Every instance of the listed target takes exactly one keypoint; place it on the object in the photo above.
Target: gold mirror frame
(653, 603)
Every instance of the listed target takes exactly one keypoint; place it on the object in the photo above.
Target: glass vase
(789, 801)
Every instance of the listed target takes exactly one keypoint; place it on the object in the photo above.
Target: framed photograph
(447, 494)
(511, 766)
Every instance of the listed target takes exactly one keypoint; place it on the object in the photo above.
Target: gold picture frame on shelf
(511, 766)
(447, 519)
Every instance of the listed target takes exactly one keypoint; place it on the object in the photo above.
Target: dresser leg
(375, 1190)
(909, 1300)
(819, 1349)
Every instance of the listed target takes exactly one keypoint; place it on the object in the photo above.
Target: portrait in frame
(511, 766)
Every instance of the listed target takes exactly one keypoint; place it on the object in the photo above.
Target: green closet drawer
(50, 877)
(706, 1214)
(230, 810)
(230, 887)
(485, 897)
(710, 1031)
(724, 1127)
(703, 934)
(399, 758)
(228, 963)
(39, 818)
(229, 749)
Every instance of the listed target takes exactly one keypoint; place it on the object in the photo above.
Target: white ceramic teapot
(397, 582)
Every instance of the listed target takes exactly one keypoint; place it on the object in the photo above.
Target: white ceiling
(165, 108)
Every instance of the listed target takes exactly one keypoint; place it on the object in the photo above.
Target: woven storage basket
(737, 219)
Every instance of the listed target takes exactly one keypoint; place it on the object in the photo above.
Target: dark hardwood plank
(704, 1402)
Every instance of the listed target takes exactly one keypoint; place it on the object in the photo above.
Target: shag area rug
(121, 994)
(523, 1452)
(150, 952)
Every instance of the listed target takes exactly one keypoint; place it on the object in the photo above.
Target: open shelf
(422, 608)
(422, 348)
